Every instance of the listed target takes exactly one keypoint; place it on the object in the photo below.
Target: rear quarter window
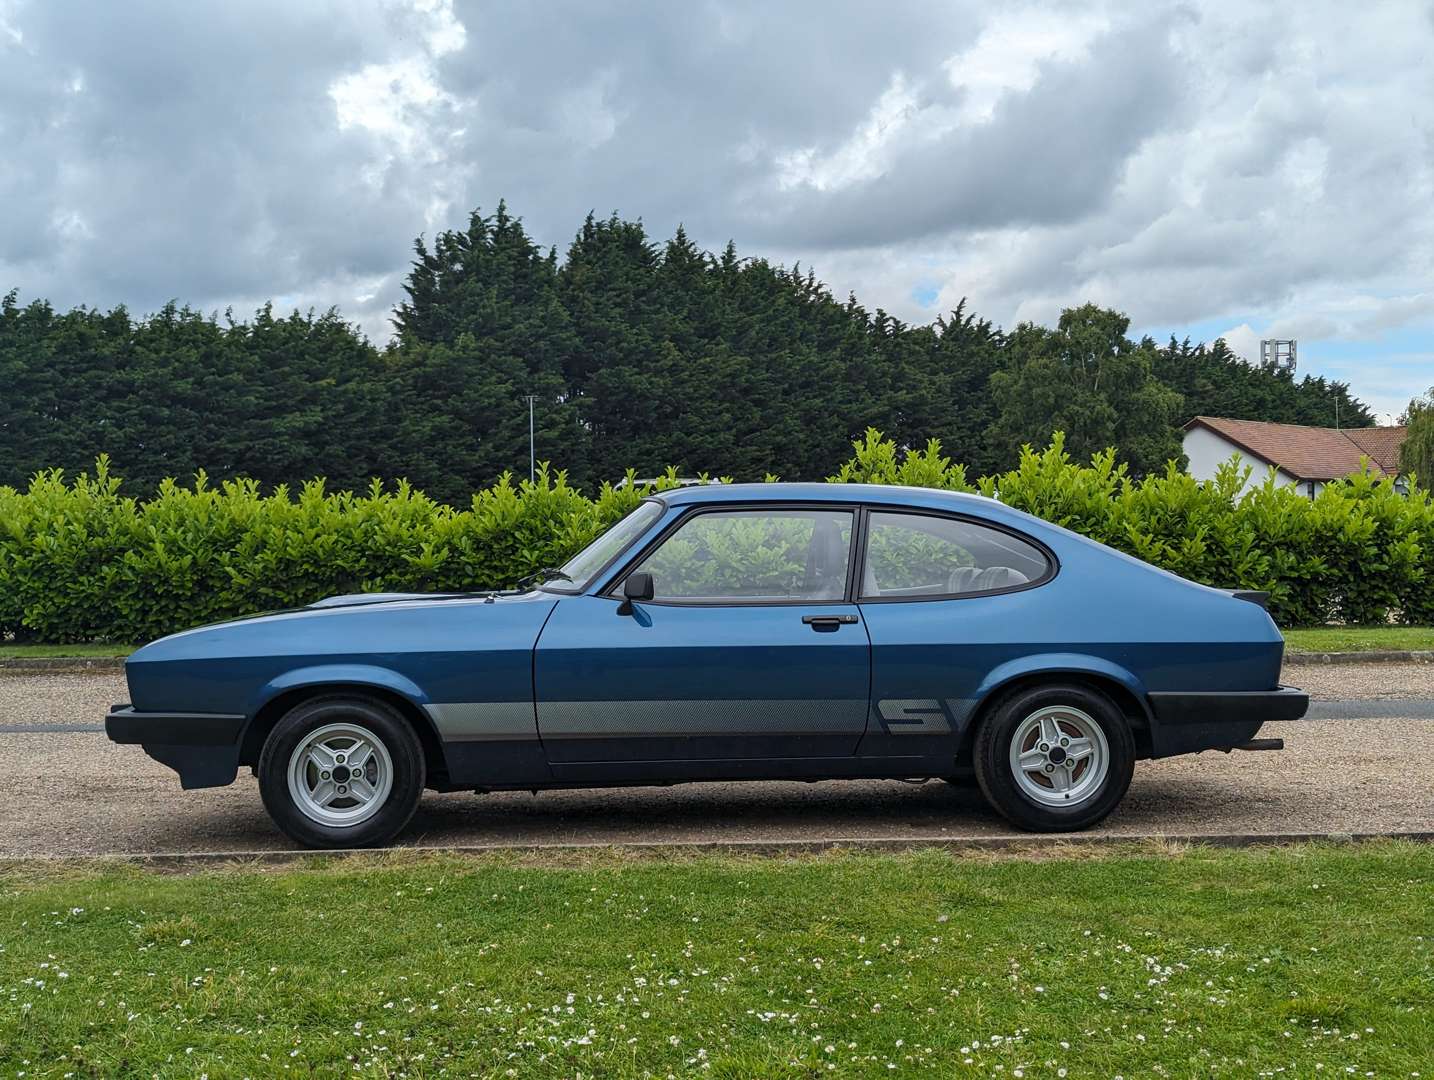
(916, 555)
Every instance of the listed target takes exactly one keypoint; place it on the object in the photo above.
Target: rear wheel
(341, 771)
(1054, 758)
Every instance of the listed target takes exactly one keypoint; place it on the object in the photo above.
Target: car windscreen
(588, 562)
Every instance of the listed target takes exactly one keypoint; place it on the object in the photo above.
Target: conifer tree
(639, 354)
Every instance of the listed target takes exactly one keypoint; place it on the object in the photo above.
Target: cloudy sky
(1236, 169)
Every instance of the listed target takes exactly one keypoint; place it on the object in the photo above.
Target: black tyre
(1055, 757)
(342, 771)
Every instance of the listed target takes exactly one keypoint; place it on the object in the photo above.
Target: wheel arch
(1125, 691)
(283, 700)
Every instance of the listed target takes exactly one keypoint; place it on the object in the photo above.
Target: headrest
(971, 579)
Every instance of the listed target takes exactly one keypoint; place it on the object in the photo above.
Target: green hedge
(81, 562)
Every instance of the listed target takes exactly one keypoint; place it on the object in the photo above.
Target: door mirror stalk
(637, 586)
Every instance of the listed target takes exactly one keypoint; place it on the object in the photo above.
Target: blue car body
(553, 687)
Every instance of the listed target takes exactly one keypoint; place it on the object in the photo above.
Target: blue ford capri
(765, 631)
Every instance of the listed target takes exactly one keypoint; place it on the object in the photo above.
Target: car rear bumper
(203, 748)
(1218, 720)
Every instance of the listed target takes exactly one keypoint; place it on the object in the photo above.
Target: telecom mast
(1279, 352)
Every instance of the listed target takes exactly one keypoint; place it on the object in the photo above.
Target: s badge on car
(917, 716)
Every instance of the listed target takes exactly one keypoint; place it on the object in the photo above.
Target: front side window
(915, 555)
(755, 556)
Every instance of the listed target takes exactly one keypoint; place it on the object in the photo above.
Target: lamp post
(532, 460)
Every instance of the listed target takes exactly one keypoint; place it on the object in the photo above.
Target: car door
(748, 652)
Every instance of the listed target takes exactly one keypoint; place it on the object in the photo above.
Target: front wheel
(341, 771)
(1054, 758)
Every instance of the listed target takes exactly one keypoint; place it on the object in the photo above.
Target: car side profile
(758, 631)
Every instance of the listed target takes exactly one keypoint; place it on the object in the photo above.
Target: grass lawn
(1359, 638)
(1307, 961)
(29, 652)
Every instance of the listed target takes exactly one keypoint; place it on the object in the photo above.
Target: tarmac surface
(1361, 765)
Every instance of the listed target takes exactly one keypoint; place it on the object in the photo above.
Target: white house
(1306, 457)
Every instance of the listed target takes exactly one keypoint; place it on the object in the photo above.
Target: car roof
(891, 494)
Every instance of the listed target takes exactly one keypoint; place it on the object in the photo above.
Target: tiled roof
(1311, 453)
(1380, 443)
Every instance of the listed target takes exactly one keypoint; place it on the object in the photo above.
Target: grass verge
(1302, 961)
(1360, 638)
(33, 652)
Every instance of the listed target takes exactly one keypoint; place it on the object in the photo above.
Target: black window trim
(1053, 565)
(856, 559)
(611, 589)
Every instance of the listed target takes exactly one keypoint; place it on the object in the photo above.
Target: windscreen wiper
(545, 574)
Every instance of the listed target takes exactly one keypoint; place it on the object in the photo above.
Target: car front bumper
(1219, 720)
(203, 748)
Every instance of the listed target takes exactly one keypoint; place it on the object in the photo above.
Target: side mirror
(637, 586)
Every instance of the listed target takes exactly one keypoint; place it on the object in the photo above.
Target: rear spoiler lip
(1254, 596)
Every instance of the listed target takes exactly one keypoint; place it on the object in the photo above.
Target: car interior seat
(973, 579)
(825, 578)
(869, 587)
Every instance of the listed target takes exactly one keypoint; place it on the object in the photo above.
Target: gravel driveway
(72, 792)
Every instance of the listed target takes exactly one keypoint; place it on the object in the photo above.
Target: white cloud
(864, 153)
(1243, 342)
(70, 225)
(10, 34)
(1007, 56)
(586, 114)
(1395, 312)
(444, 33)
(1258, 167)
(389, 100)
(398, 100)
(1288, 181)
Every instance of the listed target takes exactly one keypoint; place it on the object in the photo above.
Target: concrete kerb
(1011, 843)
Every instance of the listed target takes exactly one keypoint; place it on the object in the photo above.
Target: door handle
(827, 622)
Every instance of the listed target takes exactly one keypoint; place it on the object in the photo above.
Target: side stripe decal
(702, 716)
(468, 721)
(477, 720)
